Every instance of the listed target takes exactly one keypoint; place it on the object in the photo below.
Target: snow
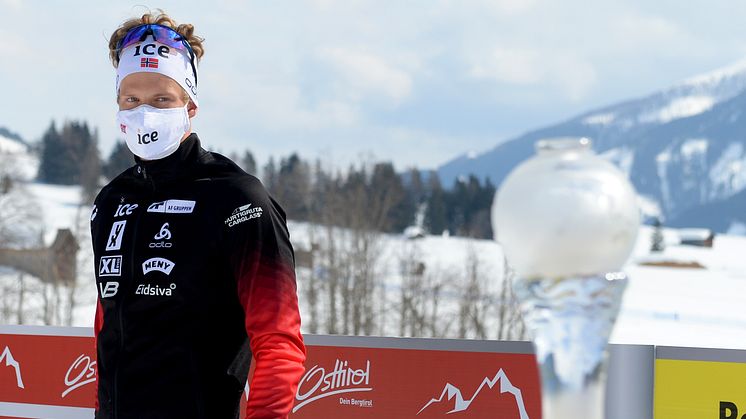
(661, 161)
(717, 76)
(16, 159)
(11, 146)
(694, 147)
(600, 119)
(60, 205)
(727, 175)
(679, 107)
(649, 207)
(687, 307)
(622, 157)
(736, 228)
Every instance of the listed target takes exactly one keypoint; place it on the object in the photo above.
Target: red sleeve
(97, 325)
(264, 266)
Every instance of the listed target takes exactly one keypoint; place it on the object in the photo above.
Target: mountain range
(683, 148)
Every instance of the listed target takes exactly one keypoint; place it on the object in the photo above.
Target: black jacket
(195, 273)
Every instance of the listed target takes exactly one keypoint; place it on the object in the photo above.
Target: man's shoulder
(230, 179)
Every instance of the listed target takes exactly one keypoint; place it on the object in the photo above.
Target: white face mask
(152, 133)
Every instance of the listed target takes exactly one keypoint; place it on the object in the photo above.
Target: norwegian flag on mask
(123, 128)
(148, 63)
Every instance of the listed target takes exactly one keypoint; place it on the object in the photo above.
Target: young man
(195, 269)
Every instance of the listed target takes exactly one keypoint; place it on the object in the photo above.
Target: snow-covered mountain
(684, 148)
(16, 159)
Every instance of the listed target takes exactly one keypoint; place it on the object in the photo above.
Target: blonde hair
(185, 29)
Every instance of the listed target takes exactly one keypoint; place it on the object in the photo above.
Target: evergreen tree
(269, 175)
(248, 163)
(64, 153)
(90, 171)
(436, 213)
(120, 159)
(657, 243)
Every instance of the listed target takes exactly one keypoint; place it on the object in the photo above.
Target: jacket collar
(173, 166)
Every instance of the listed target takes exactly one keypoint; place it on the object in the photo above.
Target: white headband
(154, 57)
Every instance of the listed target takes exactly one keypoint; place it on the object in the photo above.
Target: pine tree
(120, 159)
(436, 220)
(657, 244)
(248, 163)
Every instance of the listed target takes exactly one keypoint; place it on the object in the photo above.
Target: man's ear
(191, 109)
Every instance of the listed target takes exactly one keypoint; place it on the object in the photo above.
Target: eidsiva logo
(317, 384)
(452, 397)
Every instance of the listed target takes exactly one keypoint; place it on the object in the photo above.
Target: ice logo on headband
(152, 56)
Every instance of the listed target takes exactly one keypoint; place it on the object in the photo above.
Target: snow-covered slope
(16, 159)
(683, 147)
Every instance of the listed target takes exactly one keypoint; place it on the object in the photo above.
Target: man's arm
(97, 325)
(263, 263)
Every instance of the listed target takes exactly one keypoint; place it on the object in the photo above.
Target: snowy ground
(662, 306)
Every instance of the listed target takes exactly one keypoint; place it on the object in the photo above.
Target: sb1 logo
(729, 410)
(147, 138)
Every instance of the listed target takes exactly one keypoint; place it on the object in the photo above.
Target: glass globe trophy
(567, 221)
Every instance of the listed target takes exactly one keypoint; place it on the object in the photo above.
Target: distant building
(701, 237)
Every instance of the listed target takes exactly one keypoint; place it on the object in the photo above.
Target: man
(195, 269)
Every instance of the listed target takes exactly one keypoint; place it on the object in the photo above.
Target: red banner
(345, 377)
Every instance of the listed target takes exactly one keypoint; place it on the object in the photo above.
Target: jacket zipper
(121, 301)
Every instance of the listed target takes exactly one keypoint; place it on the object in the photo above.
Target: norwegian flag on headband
(148, 62)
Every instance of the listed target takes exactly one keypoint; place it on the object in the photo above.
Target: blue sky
(415, 82)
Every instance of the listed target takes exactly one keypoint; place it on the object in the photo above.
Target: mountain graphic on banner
(11, 362)
(453, 393)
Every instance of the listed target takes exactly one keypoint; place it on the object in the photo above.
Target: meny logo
(110, 266)
(158, 264)
(452, 394)
(317, 384)
(11, 362)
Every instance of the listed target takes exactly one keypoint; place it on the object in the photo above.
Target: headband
(154, 57)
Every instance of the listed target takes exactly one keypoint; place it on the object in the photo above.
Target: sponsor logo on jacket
(242, 214)
(115, 236)
(163, 235)
(173, 206)
(157, 290)
(124, 210)
(158, 264)
(110, 266)
(108, 289)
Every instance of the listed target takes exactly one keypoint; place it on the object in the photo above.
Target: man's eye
(162, 99)
(131, 99)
